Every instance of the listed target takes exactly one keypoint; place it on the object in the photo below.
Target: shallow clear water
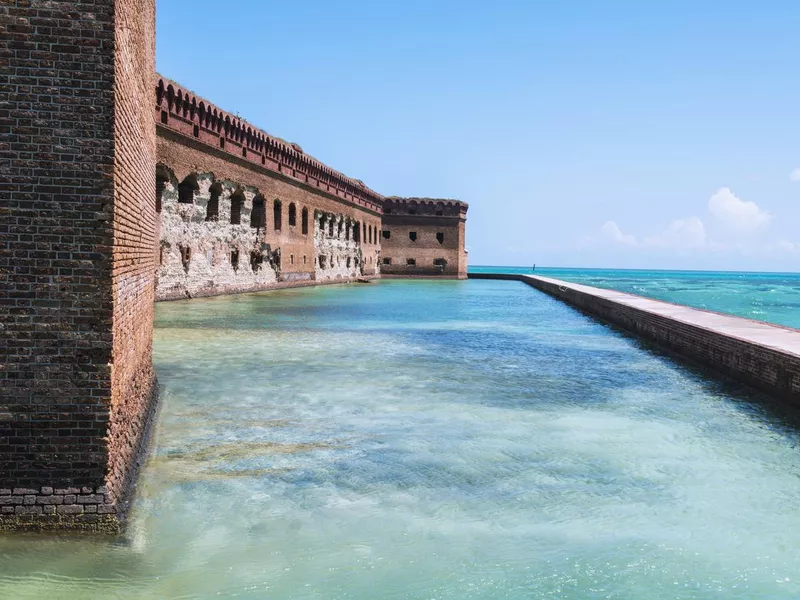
(771, 297)
(444, 440)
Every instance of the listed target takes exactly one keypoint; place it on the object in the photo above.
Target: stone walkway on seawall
(763, 355)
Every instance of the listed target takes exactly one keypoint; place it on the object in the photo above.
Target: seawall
(760, 354)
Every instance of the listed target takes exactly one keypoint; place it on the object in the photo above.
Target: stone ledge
(763, 355)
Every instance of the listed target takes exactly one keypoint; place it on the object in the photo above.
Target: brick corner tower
(77, 250)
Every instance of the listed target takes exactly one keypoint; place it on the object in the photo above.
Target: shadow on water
(781, 415)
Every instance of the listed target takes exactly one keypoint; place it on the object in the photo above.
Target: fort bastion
(122, 187)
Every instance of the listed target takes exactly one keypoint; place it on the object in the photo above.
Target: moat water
(436, 440)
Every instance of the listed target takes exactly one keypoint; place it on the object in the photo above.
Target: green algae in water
(435, 440)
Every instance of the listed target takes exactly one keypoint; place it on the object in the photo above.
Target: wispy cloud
(739, 216)
(735, 223)
(611, 231)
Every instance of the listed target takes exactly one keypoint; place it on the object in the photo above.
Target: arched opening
(162, 177)
(339, 232)
(277, 216)
(357, 232)
(258, 216)
(292, 215)
(440, 237)
(186, 257)
(347, 232)
(364, 231)
(330, 226)
(187, 189)
(237, 201)
(304, 221)
(412, 235)
(212, 210)
(256, 260)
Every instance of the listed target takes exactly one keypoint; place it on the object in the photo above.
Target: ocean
(444, 440)
(770, 297)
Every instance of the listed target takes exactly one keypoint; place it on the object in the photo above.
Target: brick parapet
(184, 112)
(425, 207)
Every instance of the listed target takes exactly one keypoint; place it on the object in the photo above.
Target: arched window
(330, 226)
(440, 237)
(277, 218)
(304, 218)
(212, 210)
(237, 201)
(357, 232)
(347, 231)
(339, 232)
(187, 189)
(162, 177)
(364, 231)
(258, 216)
(292, 215)
(161, 183)
(186, 257)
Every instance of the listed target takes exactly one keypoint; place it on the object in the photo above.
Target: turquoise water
(435, 440)
(771, 297)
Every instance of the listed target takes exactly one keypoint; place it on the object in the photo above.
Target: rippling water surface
(446, 440)
(772, 297)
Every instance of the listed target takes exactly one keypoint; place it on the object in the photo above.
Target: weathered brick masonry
(78, 145)
(424, 237)
(762, 355)
(119, 187)
(242, 210)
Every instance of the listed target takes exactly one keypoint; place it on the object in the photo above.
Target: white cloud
(784, 247)
(612, 231)
(680, 235)
(795, 175)
(740, 216)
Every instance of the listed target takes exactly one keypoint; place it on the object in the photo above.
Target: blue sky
(592, 134)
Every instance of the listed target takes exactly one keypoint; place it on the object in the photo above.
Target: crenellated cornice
(427, 207)
(184, 112)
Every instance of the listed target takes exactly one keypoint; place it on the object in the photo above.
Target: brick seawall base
(762, 355)
(47, 508)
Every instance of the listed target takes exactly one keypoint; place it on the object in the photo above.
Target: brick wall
(134, 221)
(289, 257)
(770, 369)
(424, 237)
(64, 283)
